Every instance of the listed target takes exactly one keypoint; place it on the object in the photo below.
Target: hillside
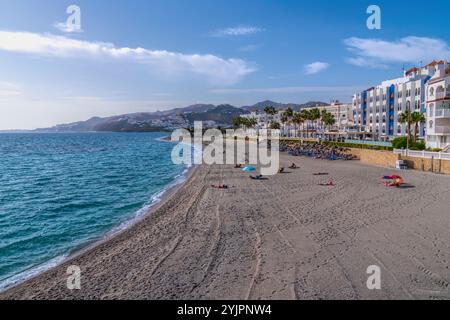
(211, 115)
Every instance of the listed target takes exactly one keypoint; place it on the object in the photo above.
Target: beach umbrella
(249, 168)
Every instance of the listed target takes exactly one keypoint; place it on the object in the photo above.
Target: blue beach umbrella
(249, 168)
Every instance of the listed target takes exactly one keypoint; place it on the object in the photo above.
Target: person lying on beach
(321, 174)
(223, 186)
(258, 177)
(329, 184)
(293, 166)
(395, 183)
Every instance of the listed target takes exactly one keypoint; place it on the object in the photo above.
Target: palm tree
(253, 122)
(405, 117)
(275, 125)
(417, 118)
(315, 115)
(286, 117)
(289, 112)
(270, 110)
(306, 115)
(328, 119)
(237, 122)
(297, 119)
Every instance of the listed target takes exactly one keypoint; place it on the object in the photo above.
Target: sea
(60, 192)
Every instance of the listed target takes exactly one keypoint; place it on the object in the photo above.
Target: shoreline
(157, 200)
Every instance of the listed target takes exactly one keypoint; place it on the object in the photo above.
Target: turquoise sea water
(59, 192)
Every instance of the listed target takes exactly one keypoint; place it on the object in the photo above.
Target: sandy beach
(281, 238)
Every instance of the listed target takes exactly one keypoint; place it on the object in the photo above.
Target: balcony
(442, 113)
(442, 130)
(442, 95)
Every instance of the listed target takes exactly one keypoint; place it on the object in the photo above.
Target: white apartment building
(376, 110)
(263, 120)
(438, 108)
(342, 113)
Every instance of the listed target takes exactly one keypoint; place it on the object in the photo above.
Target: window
(399, 129)
(432, 91)
(431, 124)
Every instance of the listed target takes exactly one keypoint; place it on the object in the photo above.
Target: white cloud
(9, 89)
(237, 31)
(316, 67)
(64, 27)
(365, 62)
(299, 89)
(377, 52)
(214, 68)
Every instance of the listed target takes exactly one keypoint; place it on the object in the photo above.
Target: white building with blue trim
(376, 110)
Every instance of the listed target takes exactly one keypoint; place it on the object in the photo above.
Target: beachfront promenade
(281, 238)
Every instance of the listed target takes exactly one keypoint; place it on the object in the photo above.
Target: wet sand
(281, 238)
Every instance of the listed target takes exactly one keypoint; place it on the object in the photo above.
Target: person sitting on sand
(329, 184)
(293, 166)
(223, 186)
(281, 170)
(238, 166)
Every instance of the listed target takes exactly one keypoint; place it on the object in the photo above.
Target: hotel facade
(438, 109)
(376, 111)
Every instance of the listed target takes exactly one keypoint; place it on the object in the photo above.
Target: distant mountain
(260, 106)
(212, 115)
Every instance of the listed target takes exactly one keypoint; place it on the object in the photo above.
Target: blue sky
(199, 51)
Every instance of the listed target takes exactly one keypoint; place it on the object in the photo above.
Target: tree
(289, 113)
(315, 115)
(270, 110)
(306, 115)
(417, 118)
(298, 119)
(405, 117)
(275, 125)
(328, 119)
(237, 122)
